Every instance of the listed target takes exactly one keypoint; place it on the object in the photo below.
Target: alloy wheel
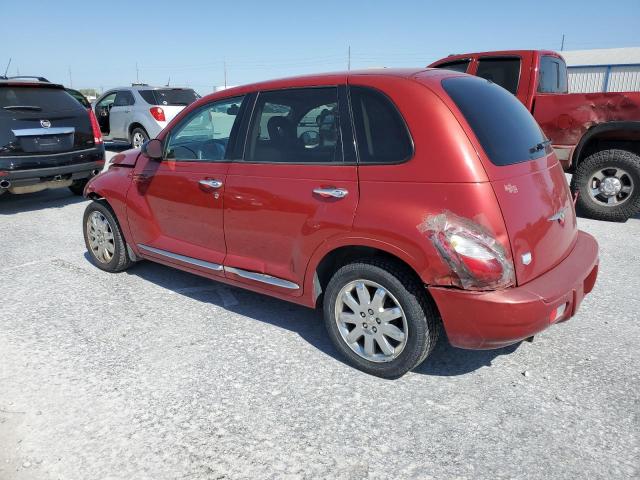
(371, 321)
(611, 186)
(138, 140)
(101, 238)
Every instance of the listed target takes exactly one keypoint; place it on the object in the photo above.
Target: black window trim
(231, 145)
(502, 57)
(341, 112)
(404, 122)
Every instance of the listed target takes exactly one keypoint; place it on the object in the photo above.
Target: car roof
(327, 79)
(28, 82)
(146, 87)
(496, 53)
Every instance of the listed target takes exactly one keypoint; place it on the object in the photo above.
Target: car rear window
(503, 71)
(457, 66)
(504, 127)
(169, 96)
(17, 99)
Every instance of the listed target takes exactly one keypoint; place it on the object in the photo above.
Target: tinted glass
(458, 66)
(79, 97)
(504, 127)
(205, 134)
(501, 71)
(296, 126)
(170, 96)
(553, 75)
(124, 98)
(381, 133)
(35, 99)
(108, 100)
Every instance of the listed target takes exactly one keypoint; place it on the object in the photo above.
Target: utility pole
(7, 69)
(349, 58)
(70, 79)
(137, 76)
(562, 45)
(225, 73)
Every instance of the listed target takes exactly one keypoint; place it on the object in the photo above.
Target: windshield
(504, 127)
(169, 96)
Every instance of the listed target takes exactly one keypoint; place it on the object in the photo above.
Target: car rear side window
(299, 125)
(502, 71)
(169, 96)
(504, 127)
(457, 66)
(553, 75)
(381, 133)
(17, 100)
(124, 98)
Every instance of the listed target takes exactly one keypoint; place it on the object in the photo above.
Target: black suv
(47, 138)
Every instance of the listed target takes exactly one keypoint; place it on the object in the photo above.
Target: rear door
(120, 114)
(41, 119)
(527, 179)
(295, 188)
(175, 206)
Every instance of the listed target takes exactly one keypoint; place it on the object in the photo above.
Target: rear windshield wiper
(22, 107)
(540, 146)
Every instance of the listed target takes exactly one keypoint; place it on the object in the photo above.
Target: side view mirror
(152, 149)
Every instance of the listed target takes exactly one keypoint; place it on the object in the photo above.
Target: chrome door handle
(211, 183)
(331, 192)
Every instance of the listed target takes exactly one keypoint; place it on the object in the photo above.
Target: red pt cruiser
(396, 199)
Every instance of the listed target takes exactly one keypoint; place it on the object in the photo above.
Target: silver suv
(135, 114)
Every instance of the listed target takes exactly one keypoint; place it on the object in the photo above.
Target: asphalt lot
(155, 373)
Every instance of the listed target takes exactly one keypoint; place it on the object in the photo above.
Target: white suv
(135, 114)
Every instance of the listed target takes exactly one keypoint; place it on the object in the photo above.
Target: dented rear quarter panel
(565, 118)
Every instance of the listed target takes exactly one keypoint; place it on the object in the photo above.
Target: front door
(292, 191)
(102, 109)
(175, 206)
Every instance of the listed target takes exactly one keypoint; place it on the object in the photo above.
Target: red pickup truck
(596, 136)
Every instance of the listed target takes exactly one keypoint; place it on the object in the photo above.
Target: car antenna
(7, 69)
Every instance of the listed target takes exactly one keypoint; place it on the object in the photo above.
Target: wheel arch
(136, 124)
(330, 257)
(624, 135)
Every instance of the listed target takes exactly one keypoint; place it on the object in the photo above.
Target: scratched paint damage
(477, 261)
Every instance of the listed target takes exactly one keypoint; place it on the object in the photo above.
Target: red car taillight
(97, 134)
(477, 260)
(157, 113)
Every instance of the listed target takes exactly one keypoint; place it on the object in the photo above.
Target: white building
(603, 70)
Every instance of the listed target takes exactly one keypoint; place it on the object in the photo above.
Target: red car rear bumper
(485, 320)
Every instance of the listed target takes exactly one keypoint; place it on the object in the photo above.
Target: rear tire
(138, 136)
(366, 333)
(77, 187)
(103, 238)
(599, 200)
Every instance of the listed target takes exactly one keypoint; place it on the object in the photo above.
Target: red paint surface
(267, 219)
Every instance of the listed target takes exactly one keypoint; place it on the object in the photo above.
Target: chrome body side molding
(193, 261)
(261, 277)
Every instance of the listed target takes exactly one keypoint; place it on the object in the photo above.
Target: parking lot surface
(159, 374)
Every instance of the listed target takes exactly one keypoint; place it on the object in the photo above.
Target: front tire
(138, 136)
(608, 185)
(103, 238)
(380, 317)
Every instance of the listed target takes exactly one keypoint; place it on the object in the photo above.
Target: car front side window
(204, 135)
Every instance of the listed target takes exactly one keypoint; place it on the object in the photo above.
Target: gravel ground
(158, 374)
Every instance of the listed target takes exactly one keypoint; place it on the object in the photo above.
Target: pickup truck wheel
(103, 238)
(138, 137)
(608, 185)
(379, 317)
(77, 187)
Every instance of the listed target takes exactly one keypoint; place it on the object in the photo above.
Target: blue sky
(190, 41)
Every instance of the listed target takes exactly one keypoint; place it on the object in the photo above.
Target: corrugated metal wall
(624, 79)
(586, 79)
(594, 79)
